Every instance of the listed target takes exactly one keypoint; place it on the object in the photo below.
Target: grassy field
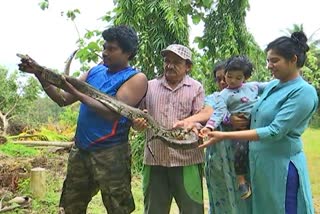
(96, 204)
(56, 170)
(311, 139)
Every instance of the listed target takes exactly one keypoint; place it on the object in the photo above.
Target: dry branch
(45, 143)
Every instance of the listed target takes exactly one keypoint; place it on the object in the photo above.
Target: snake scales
(175, 138)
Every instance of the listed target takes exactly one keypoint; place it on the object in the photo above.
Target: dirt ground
(14, 170)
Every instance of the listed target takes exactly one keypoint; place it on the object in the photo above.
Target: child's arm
(261, 86)
(219, 112)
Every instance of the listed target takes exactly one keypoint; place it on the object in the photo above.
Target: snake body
(176, 138)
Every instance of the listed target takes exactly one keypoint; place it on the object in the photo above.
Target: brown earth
(2, 140)
(13, 169)
(316, 202)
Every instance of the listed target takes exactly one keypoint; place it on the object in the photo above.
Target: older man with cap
(172, 173)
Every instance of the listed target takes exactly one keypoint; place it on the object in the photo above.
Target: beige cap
(180, 50)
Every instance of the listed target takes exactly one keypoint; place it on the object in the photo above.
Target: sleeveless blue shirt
(93, 131)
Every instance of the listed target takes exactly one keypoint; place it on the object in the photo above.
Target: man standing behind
(100, 159)
(172, 173)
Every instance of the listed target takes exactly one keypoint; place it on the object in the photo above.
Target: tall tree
(226, 35)
(158, 23)
(311, 69)
(225, 31)
(41, 111)
(162, 22)
(15, 96)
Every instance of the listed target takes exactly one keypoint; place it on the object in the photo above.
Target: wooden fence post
(38, 182)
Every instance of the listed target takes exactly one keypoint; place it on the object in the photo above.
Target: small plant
(53, 135)
(137, 141)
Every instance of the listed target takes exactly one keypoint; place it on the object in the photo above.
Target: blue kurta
(280, 117)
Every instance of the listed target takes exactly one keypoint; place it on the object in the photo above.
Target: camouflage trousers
(107, 170)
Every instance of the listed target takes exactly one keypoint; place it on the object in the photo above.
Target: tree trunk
(5, 123)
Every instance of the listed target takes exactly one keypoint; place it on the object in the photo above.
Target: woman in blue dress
(278, 169)
(219, 169)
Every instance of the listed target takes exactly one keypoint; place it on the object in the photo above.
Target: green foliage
(69, 115)
(158, 23)
(258, 59)
(44, 4)
(41, 111)
(137, 142)
(53, 135)
(315, 120)
(8, 88)
(163, 22)
(71, 14)
(107, 17)
(311, 69)
(90, 49)
(202, 71)
(196, 19)
(89, 46)
(225, 31)
(17, 150)
(16, 95)
(226, 35)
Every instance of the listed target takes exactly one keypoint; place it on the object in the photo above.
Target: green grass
(96, 205)
(48, 204)
(17, 150)
(312, 150)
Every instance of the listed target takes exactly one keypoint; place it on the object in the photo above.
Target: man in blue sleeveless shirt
(100, 159)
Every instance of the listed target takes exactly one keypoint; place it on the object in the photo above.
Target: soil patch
(12, 169)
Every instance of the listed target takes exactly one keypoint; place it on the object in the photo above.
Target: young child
(238, 98)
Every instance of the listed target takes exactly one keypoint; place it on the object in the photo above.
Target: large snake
(176, 138)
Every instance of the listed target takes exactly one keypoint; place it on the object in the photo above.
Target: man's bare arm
(131, 93)
(61, 97)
